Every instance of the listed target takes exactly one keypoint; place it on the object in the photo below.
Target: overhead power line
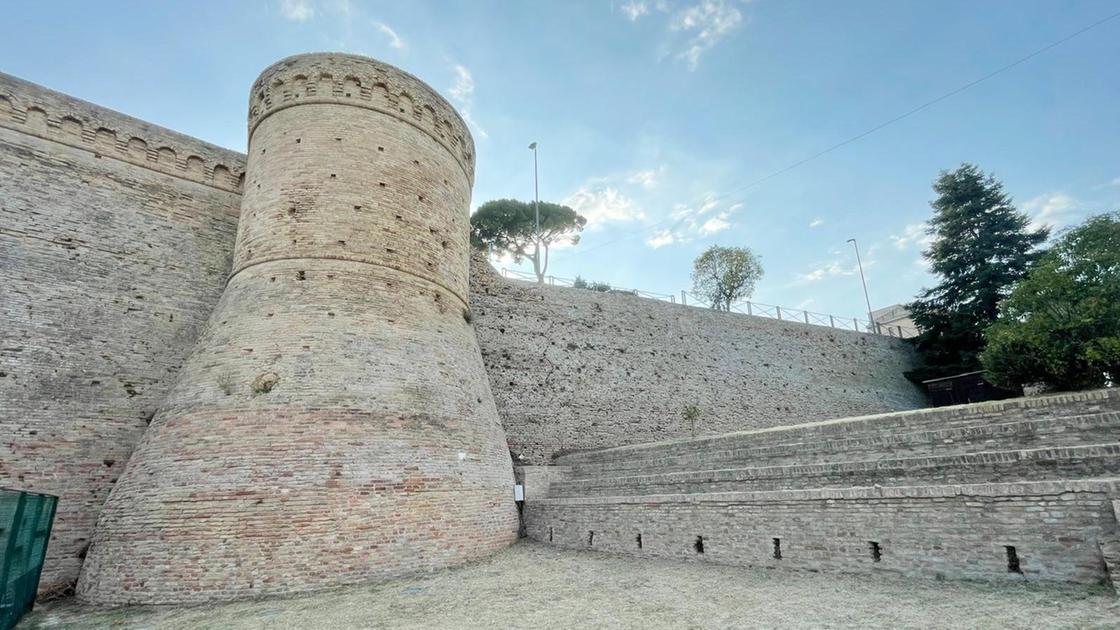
(737, 189)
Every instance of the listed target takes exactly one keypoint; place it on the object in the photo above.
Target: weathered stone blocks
(334, 423)
(1019, 489)
(115, 241)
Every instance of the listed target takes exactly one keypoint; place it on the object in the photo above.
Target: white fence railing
(571, 282)
(757, 309)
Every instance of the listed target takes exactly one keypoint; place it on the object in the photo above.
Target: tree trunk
(537, 262)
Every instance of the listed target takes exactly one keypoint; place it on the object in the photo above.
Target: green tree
(725, 275)
(509, 226)
(1061, 325)
(981, 247)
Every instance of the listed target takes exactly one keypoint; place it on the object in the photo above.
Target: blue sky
(655, 116)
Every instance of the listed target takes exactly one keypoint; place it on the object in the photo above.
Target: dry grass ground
(535, 586)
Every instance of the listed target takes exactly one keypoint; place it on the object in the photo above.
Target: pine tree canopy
(981, 247)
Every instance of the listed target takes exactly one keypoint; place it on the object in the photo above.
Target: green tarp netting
(25, 528)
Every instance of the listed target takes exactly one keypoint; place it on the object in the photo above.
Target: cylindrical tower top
(361, 82)
(352, 159)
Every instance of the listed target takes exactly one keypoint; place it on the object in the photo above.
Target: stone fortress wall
(118, 238)
(1017, 489)
(574, 369)
(115, 241)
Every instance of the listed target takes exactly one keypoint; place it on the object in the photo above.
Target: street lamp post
(536, 212)
(870, 318)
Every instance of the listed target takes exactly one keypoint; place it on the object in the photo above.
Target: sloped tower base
(335, 423)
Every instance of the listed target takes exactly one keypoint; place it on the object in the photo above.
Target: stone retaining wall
(941, 492)
(574, 369)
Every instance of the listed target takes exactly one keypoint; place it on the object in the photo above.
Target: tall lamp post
(536, 211)
(870, 318)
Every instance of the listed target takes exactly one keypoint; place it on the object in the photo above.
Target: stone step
(1046, 407)
(983, 467)
(1055, 432)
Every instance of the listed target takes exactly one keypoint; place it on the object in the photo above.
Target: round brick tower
(334, 423)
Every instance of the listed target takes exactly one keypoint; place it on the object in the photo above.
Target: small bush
(691, 414)
(225, 383)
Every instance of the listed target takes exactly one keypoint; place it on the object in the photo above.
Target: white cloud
(697, 26)
(912, 235)
(475, 127)
(661, 239)
(715, 224)
(603, 205)
(462, 92)
(1052, 209)
(394, 40)
(695, 221)
(463, 88)
(705, 23)
(817, 222)
(647, 179)
(635, 9)
(296, 10)
(837, 267)
(691, 213)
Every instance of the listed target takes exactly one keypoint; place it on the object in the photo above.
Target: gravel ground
(536, 586)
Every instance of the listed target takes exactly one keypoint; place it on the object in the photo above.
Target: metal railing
(25, 528)
(803, 316)
(557, 281)
(756, 309)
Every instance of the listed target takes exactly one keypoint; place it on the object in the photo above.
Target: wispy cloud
(296, 10)
(475, 127)
(635, 9)
(647, 179)
(705, 24)
(463, 87)
(661, 239)
(840, 265)
(1056, 210)
(913, 235)
(833, 268)
(695, 221)
(696, 27)
(716, 224)
(817, 222)
(394, 40)
(462, 92)
(601, 205)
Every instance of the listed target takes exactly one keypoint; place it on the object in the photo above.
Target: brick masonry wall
(334, 423)
(951, 513)
(118, 236)
(1071, 419)
(1058, 529)
(115, 241)
(573, 369)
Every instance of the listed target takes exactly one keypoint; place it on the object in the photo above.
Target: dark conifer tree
(981, 247)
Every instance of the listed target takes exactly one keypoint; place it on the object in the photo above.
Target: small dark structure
(969, 387)
(25, 528)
